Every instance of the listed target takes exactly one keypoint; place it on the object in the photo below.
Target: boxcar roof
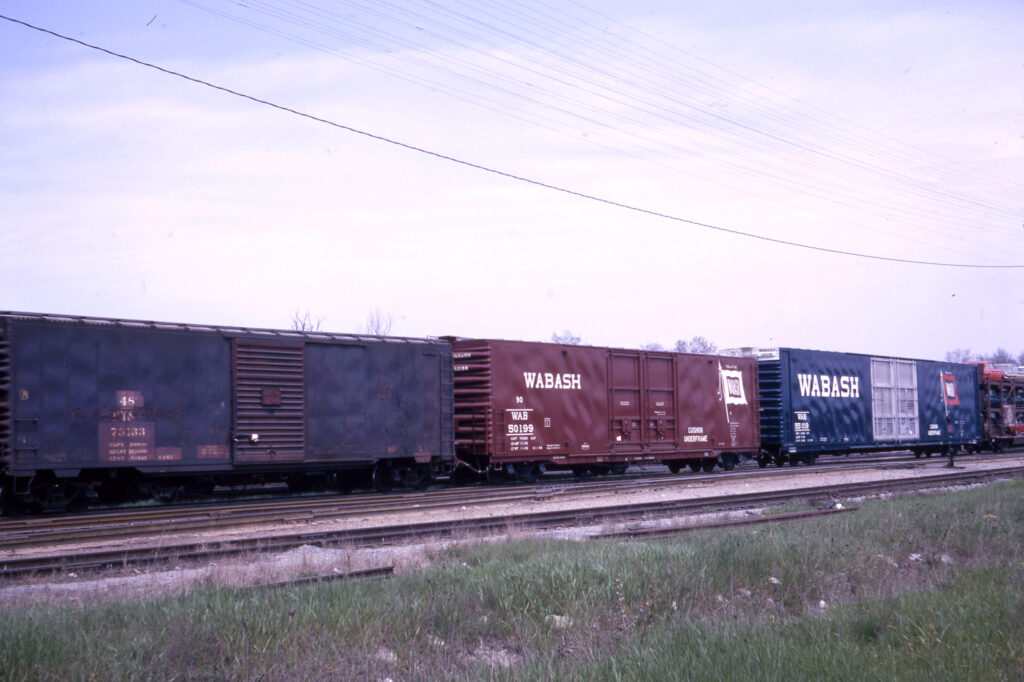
(283, 334)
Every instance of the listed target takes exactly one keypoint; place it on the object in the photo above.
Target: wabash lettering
(825, 386)
(564, 381)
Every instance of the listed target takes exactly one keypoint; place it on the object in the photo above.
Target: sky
(636, 172)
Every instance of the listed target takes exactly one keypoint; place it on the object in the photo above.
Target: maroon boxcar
(524, 407)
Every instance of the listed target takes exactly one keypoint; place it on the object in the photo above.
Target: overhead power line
(505, 174)
(619, 90)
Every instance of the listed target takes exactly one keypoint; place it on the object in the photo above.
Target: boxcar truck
(120, 409)
(522, 408)
(820, 402)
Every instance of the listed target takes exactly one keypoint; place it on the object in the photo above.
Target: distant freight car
(1002, 405)
(819, 402)
(522, 408)
(118, 408)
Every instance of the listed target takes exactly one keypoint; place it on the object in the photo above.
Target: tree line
(697, 344)
(1000, 356)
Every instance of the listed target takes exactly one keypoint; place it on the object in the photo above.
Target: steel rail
(384, 535)
(97, 526)
(381, 572)
(663, 531)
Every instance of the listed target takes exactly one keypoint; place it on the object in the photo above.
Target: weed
(922, 588)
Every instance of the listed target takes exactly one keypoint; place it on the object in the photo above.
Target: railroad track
(394, 534)
(122, 524)
(150, 521)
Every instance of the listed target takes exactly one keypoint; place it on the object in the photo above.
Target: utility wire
(504, 174)
(558, 77)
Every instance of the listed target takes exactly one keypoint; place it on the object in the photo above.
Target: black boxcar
(821, 402)
(523, 407)
(105, 405)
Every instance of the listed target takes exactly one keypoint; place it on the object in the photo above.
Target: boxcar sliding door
(269, 395)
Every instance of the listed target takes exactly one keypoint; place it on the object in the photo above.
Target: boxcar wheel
(707, 465)
(495, 476)
(78, 498)
(381, 477)
(674, 467)
(694, 465)
(527, 472)
(417, 477)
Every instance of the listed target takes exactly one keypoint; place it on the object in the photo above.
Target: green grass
(922, 588)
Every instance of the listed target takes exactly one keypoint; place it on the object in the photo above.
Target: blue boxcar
(820, 402)
(99, 404)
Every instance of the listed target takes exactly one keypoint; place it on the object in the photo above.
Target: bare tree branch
(305, 322)
(378, 322)
(566, 337)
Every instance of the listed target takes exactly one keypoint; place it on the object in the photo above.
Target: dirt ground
(260, 569)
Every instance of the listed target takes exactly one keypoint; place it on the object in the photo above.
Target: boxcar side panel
(827, 401)
(950, 404)
(93, 396)
(548, 401)
(832, 402)
(568, 405)
(718, 404)
(378, 400)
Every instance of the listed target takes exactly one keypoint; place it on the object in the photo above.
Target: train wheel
(707, 465)
(729, 462)
(527, 472)
(674, 467)
(694, 465)
(495, 476)
(763, 460)
(78, 498)
(416, 477)
(381, 477)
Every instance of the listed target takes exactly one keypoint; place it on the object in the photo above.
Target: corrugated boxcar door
(269, 401)
(661, 402)
(625, 398)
